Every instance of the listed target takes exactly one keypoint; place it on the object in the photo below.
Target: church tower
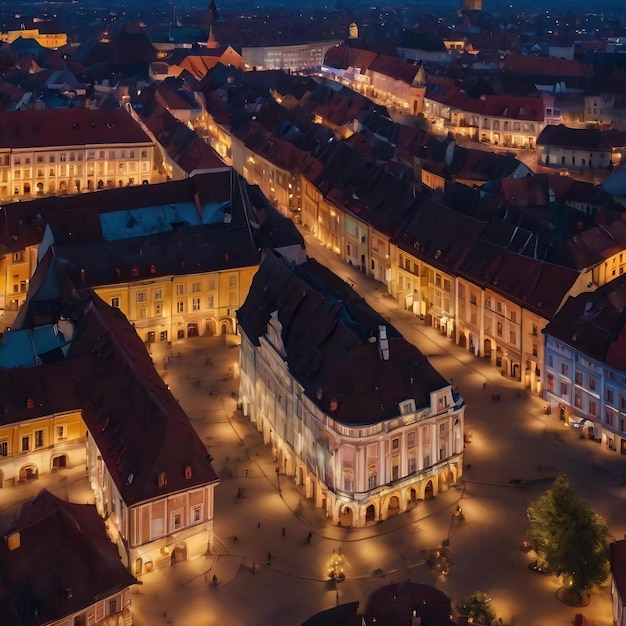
(472, 5)
(211, 41)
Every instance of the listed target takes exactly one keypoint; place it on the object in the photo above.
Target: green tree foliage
(477, 607)
(573, 539)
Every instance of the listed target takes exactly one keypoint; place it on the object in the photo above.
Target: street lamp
(278, 478)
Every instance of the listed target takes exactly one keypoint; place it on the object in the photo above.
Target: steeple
(211, 41)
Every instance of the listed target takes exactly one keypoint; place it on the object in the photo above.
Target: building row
(482, 268)
(80, 389)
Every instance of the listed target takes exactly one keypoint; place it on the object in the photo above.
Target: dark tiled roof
(181, 144)
(594, 323)
(65, 562)
(437, 234)
(340, 615)
(107, 374)
(574, 138)
(526, 191)
(137, 424)
(330, 339)
(192, 250)
(598, 243)
(274, 230)
(535, 285)
(69, 127)
(389, 605)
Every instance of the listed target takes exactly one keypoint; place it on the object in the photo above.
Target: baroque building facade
(355, 415)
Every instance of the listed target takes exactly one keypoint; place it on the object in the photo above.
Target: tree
(477, 607)
(571, 536)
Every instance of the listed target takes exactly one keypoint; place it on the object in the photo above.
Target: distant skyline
(495, 6)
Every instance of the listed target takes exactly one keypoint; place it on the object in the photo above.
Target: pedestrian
(283, 533)
(258, 525)
(235, 538)
(484, 386)
(214, 580)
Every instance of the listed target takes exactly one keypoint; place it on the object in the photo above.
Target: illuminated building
(176, 258)
(355, 415)
(67, 151)
(150, 473)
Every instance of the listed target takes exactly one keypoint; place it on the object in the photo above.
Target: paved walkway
(293, 584)
(509, 440)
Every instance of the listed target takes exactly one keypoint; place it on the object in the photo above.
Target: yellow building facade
(68, 151)
(47, 40)
(43, 444)
(170, 308)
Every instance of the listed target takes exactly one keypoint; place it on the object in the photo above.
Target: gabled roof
(575, 138)
(344, 56)
(182, 145)
(525, 192)
(193, 225)
(480, 165)
(437, 234)
(64, 562)
(330, 338)
(395, 68)
(594, 323)
(107, 374)
(174, 95)
(271, 229)
(533, 284)
(137, 424)
(524, 108)
(598, 243)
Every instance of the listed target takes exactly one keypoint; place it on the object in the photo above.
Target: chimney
(383, 343)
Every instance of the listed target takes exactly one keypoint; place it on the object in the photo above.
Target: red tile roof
(69, 127)
(394, 68)
(533, 284)
(65, 562)
(526, 192)
(545, 66)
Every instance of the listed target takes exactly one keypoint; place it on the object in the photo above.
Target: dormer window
(153, 269)
(134, 271)
(162, 480)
